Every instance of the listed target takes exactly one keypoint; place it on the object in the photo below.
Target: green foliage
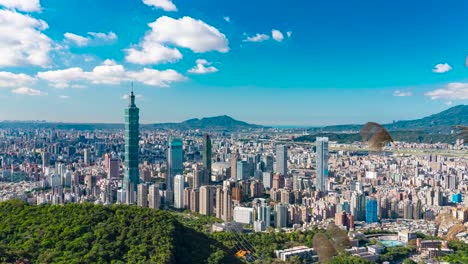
(408, 261)
(394, 254)
(461, 252)
(87, 233)
(348, 259)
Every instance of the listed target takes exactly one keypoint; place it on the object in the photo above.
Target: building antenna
(132, 86)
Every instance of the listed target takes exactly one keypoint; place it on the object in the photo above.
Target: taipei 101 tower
(131, 175)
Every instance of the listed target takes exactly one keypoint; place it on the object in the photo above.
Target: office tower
(131, 175)
(113, 168)
(268, 163)
(282, 159)
(107, 158)
(154, 199)
(219, 202)
(242, 170)
(358, 206)
(187, 192)
(371, 211)
(195, 200)
(200, 177)
(207, 155)
(408, 210)
(234, 158)
(207, 200)
(86, 156)
(417, 213)
(281, 214)
(267, 179)
(264, 214)
(322, 163)
(175, 161)
(67, 178)
(227, 202)
(45, 160)
(179, 191)
(142, 195)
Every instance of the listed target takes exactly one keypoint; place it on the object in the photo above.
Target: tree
(324, 248)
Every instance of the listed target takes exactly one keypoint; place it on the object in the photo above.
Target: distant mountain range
(442, 122)
(218, 123)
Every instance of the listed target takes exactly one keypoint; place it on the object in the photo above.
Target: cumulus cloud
(22, 5)
(203, 67)
(28, 91)
(277, 35)
(110, 73)
(402, 93)
(22, 41)
(257, 38)
(185, 32)
(94, 38)
(441, 68)
(453, 91)
(8, 79)
(227, 19)
(165, 5)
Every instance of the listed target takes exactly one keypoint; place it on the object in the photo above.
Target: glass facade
(132, 132)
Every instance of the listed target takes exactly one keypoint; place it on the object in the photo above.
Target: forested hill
(87, 233)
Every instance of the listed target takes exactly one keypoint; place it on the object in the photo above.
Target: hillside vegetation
(87, 233)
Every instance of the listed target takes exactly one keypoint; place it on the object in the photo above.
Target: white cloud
(257, 38)
(104, 36)
(152, 53)
(28, 91)
(187, 32)
(64, 97)
(453, 91)
(77, 39)
(441, 68)
(126, 96)
(109, 73)
(22, 41)
(289, 34)
(449, 103)
(227, 19)
(22, 5)
(8, 79)
(166, 5)
(277, 35)
(95, 37)
(402, 93)
(202, 67)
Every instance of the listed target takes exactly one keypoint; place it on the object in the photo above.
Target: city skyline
(245, 69)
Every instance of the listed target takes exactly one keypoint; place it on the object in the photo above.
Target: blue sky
(267, 62)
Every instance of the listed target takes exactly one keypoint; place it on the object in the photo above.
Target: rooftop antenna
(132, 87)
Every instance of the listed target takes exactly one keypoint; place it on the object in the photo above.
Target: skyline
(306, 64)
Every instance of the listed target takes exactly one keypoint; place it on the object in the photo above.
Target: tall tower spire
(132, 98)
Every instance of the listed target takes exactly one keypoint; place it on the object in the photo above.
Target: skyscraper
(207, 154)
(322, 163)
(371, 211)
(154, 199)
(142, 199)
(86, 156)
(131, 175)
(282, 160)
(175, 159)
(234, 158)
(179, 191)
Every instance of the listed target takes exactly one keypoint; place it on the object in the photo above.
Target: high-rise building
(267, 179)
(154, 199)
(282, 159)
(207, 155)
(175, 161)
(142, 199)
(242, 170)
(268, 163)
(179, 191)
(131, 175)
(264, 214)
(281, 215)
(371, 211)
(234, 158)
(358, 206)
(113, 168)
(322, 163)
(45, 160)
(200, 177)
(86, 156)
(195, 200)
(207, 200)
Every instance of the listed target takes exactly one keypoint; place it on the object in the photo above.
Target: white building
(179, 191)
(243, 215)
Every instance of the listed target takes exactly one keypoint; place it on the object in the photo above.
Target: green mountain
(87, 233)
(223, 122)
(442, 122)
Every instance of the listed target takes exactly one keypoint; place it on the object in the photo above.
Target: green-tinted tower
(132, 133)
(207, 156)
